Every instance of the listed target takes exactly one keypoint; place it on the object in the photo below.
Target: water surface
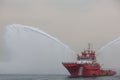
(53, 77)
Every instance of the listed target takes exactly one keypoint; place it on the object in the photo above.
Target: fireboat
(86, 66)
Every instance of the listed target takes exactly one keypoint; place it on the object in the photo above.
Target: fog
(31, 51)
(86, 21)
(108, 55)
(74, 22)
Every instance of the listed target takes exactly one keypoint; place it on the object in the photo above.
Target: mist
(108, 55)
(75, 22)
(86, 21)
(31, 51)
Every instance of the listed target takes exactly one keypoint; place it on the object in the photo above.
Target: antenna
(89, 45)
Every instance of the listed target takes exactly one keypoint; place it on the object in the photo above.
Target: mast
(89, 45)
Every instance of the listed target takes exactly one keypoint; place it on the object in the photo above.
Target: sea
(53, 77)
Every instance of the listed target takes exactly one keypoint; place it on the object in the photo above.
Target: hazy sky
(74, 22)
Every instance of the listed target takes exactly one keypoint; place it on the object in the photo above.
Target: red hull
(88, 70)
(73, 68)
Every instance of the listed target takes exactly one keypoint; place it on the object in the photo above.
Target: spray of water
(32, 51)
(109, 54)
